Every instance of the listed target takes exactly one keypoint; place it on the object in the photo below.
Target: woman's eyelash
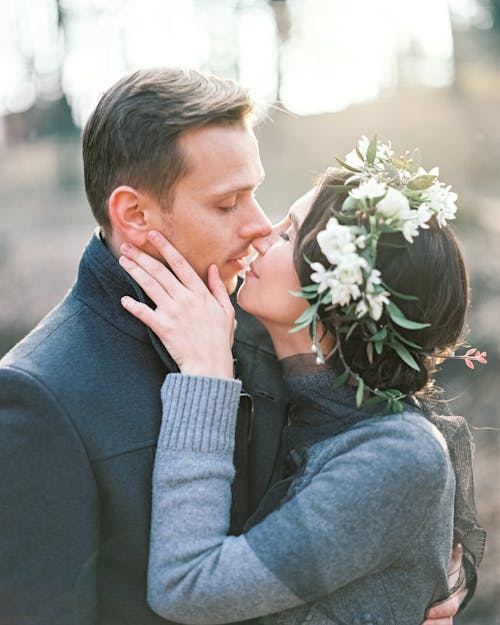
(285, 236)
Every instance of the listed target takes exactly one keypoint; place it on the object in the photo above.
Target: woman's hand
(194, 323)
(443, 613)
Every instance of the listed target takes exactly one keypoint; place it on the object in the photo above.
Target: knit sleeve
(197, 574)
(334, 529)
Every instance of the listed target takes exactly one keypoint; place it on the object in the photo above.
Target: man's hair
(132, 136)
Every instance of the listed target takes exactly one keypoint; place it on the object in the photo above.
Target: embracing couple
(161, 462)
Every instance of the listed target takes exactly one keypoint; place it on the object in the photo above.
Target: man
(165, 149)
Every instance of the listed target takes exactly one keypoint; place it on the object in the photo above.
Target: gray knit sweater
(363, 534)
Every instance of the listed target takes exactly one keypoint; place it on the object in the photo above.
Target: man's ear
(129, 215)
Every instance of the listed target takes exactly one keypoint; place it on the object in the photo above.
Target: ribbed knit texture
(201, 413)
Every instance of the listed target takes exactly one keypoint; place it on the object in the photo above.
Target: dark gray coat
(80, 413)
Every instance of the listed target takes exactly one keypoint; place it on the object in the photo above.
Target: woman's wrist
(213, 367)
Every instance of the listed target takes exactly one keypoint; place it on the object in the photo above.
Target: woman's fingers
(176, 261)
(157, 291)
(446, 609)
(143, 312)
(219, 291)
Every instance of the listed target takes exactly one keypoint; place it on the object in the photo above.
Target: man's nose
(262, 244)
(257, 223)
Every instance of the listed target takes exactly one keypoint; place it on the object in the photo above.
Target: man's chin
(231, 284)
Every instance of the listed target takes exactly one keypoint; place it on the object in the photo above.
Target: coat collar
(102, 283)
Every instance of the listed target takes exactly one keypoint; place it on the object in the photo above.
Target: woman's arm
(194, 568)
(331, 532)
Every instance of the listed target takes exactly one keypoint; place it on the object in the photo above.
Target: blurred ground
(46, 223)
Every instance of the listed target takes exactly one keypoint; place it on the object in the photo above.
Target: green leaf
(371, 152)
(369, 352)
(303, 295)
(350, 203)
(308, 315)
(398, 317)
(416, 159)
(349, 167)
(398, 294)
(393, 393)
(379, 346)
(360, 391)
(396, 406)
(406, 341)
(421, 182)
(404, 354)
(398, 164)
(310, 287)
(351, 330)
(373, 401)
(340, 380)
(380, 336)
(299, 327)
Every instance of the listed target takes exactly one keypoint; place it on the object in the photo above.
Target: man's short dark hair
(131, 138)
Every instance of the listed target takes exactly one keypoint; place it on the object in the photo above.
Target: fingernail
(153, 235)
(125, 261)
(126, 247)
(126, 301)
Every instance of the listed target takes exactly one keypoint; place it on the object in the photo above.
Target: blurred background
(324, 72)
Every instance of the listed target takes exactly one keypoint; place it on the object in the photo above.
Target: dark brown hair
(431, 268)
(132, 136)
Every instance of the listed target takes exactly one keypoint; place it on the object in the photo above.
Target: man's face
(215, 216)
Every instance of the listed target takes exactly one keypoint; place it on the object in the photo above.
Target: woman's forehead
(300, 208)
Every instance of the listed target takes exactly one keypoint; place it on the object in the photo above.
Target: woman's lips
(251, 271)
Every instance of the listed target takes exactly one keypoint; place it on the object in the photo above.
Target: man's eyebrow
(237, 189)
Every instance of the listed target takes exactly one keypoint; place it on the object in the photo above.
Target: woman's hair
(431, 269)
(132, 136)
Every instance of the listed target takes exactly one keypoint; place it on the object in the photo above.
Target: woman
(360, 527)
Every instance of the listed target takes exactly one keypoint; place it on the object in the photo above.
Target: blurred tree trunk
(283, 24)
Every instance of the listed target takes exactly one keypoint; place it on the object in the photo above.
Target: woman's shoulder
(406, 440)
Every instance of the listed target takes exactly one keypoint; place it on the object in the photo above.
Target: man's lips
(240, 261)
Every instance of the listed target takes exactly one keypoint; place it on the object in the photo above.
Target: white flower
(322, 276)
(384, 151)
(369, 189)
(377, 302)
(360, 241)
(349, 270)
(343, 293)
(353, 159)
(441, 201)
(373, 278)
(424, 213)
(394, 204)
(433, 172)
(362, 308)
(410, 226)
(336, 241)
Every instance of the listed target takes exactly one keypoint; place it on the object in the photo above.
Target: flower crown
(385, 195)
